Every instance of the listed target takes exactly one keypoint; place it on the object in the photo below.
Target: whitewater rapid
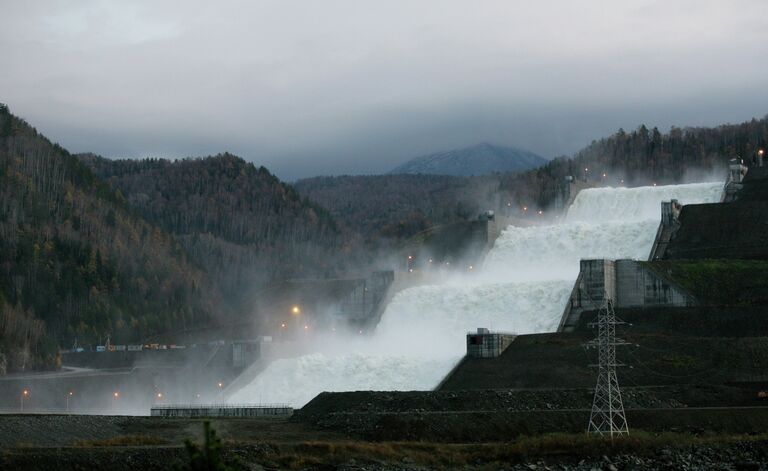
(522, 288)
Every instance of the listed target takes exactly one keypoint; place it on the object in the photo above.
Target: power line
(607, 416)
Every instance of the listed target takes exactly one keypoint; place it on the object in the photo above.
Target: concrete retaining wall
(628, 283)
(638, 286)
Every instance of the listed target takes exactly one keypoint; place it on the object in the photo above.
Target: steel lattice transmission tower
(607, 417)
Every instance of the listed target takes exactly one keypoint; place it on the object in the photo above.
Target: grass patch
(442, 455)
(719, 282)
(123, 440)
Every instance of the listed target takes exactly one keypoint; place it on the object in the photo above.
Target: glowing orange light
(295, 310)
(116, 394)
(25, 392)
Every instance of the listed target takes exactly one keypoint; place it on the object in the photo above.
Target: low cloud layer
(331, 87)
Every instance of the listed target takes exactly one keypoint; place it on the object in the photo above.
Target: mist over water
(522, 288)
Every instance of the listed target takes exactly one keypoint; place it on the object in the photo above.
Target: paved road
(67, 371)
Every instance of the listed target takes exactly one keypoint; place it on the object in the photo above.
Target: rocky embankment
(461, 416)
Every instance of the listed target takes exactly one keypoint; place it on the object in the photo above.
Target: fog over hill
(480, 159)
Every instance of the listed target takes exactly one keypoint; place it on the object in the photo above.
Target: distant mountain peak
(480, 159)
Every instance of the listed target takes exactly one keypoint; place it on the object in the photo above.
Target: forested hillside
(240, 222)
(398, 206)
(643, 157)
(75, 263)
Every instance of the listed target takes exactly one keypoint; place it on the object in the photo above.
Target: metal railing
(221, 406)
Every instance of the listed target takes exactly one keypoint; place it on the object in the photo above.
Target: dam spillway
(522, 287)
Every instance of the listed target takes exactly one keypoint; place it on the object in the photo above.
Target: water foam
(522, 288)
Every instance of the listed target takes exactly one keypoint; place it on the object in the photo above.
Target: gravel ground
(735, 456)
(56, 430)
(483, 400)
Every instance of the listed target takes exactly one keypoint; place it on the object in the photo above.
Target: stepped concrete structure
(733, 229)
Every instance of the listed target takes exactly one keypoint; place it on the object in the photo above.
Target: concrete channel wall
(628, 283)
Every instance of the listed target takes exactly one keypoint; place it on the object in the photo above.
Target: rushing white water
(637, 204)
(522, 288)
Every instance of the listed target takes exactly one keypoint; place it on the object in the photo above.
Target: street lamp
(296, 310)
(70, 394)
(116, 395)
(24, 394)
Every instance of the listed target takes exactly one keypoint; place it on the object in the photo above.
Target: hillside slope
(75, 263)
(481, 159)
(401, 205)
(398, 206)
(240, 222)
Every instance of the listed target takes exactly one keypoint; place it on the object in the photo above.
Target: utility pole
(607, 416)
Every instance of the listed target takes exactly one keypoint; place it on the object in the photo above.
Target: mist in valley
(521, 288)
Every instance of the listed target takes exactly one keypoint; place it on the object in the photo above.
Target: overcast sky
(328, 87)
